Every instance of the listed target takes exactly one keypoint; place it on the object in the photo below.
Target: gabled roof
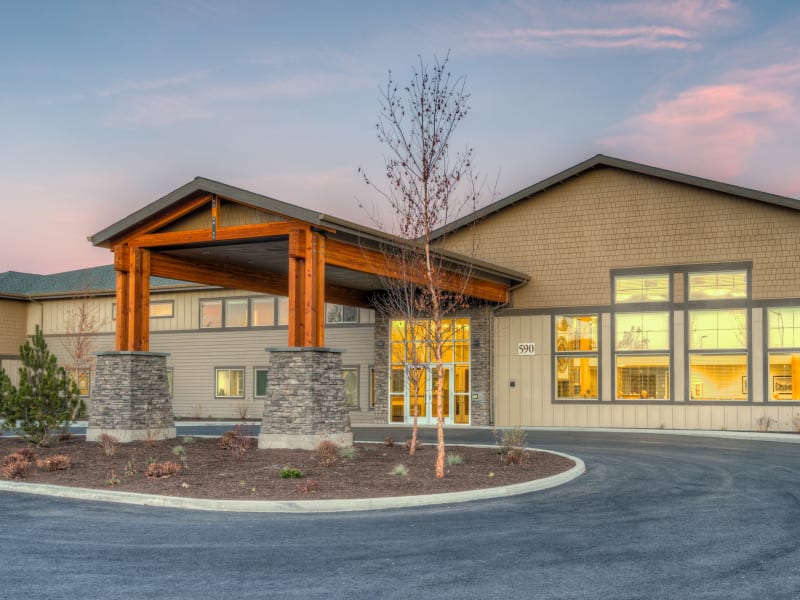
(603, 161)
(95, 280)
(203, 185)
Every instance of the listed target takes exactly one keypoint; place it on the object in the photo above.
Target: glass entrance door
(421, 395)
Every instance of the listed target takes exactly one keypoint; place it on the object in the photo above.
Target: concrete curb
(300, 506)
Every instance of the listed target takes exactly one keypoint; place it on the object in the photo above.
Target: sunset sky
(106, 106)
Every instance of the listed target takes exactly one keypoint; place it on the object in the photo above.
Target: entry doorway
(420, 392)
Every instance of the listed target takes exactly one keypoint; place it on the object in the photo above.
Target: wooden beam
(121, 343)
(297, 313)
(176, 211)
(139, 300)
(355, 258)
(162, 265)
(314, 291)
(205, 236)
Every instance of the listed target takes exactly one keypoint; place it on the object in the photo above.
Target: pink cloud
(647, 24)
(721, 129)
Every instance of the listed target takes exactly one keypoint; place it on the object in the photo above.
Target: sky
(105, 106)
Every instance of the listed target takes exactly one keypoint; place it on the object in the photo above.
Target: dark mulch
(214, 472)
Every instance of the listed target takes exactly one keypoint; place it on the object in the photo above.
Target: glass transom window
(641, 288)
(718, 285)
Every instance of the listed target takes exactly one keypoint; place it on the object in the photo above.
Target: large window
(229, 383)
(717, 340)
(642, 344)
(783, 340)
(258, 311)
(576, 357)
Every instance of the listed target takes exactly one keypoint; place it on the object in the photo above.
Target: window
(718, 354)
(159, 309)
(783, 340)
(641, 288)
(82, 378)
(351, 386)
(283, 311)
(372, 388)
(211, 314)
(260, 382)
(263, 310)
(718, 285)
(162, 309)
(337, 313)
(236, 312)
(642, 360)
(229, 383)
(576, 357)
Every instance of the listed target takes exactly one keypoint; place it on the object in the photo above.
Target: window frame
(718, 304)
(352, 369)
(570, 354)
(770, 389)
(256, 371)
(243, 385)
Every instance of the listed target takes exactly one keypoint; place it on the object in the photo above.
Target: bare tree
(429, 184)
(81, 324)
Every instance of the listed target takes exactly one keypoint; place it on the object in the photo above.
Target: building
(612, 294)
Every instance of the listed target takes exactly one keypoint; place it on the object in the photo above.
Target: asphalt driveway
(655, 516)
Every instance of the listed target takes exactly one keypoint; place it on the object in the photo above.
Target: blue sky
(106, 106)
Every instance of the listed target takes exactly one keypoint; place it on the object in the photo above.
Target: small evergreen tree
(46, 400)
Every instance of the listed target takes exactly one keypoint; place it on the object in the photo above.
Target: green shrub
(47, 399)
(290, 473)
(454, 459)
(348, 452)
(399, 470)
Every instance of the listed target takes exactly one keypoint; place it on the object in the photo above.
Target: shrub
(237, 439)
(130, 467)
(417, 446)
(187, 439)
(512, 444)
(15, 465)
(290, 473)
(47, 399)
(58, 462)
(180, 452)
(348, 452)
(109, 443)
(399, 470)
(162, 470)
(765, 423)
(388, 442)
(454, 459)
(327, 453)
(309, 486)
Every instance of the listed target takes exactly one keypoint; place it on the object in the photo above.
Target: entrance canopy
(215, 234)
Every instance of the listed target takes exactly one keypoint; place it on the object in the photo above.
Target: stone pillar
(130, 397)
(305, 403)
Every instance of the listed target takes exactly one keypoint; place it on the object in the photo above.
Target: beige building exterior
(607, 223)
(653, 299)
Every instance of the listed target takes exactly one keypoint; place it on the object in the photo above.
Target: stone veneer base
(306, 402)
(125, 436)
(302, 441)
(130, 397)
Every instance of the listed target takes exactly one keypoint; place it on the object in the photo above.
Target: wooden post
(139, 300)
(122, 337)
(297, 255)
(315, 291)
